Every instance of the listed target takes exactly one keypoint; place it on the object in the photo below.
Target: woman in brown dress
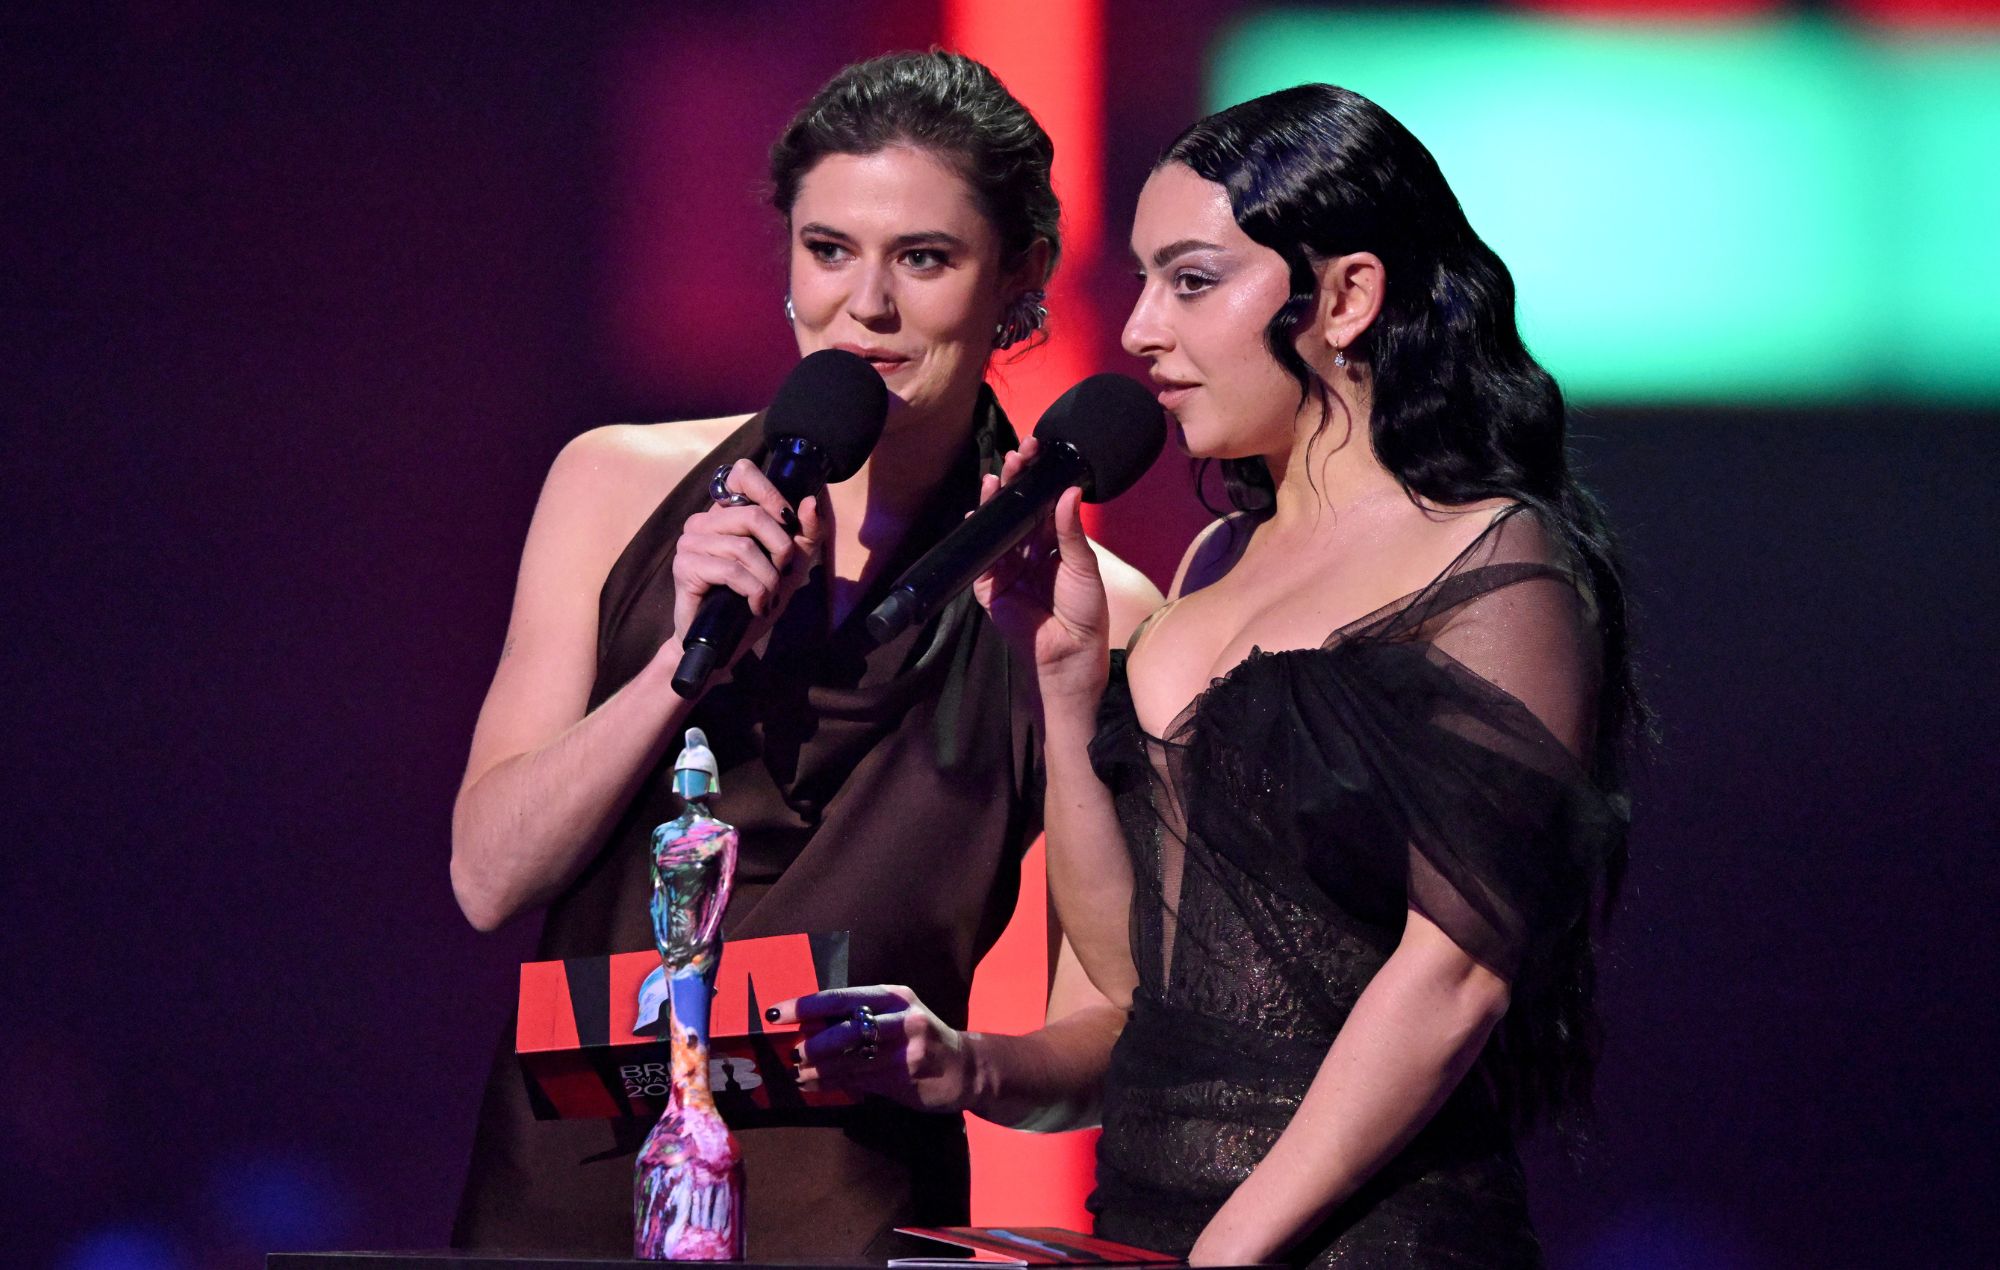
(888, 792)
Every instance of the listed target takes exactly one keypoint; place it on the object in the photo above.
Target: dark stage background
(298, 306)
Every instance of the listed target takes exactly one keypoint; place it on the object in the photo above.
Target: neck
(1334, 469)
(880, 500)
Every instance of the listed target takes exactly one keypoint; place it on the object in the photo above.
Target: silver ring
(866, 1033)
(719, 491)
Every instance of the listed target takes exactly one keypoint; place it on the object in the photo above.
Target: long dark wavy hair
(1461, 413)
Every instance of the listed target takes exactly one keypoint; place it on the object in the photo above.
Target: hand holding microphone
(759, 549)
(1100, 436)
(1046, 594)
(820, 428)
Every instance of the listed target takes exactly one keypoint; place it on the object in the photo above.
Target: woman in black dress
(1338, 822)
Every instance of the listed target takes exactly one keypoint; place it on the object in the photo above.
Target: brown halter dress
(889, 792)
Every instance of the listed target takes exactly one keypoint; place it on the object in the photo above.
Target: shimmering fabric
(1280, 831)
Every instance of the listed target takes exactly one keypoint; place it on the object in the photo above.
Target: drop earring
(1339, 357)
(1026, 315)
(791, 314)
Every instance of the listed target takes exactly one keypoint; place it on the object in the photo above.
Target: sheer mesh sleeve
(1425, 757)
(1530, 634)
(1507, 833)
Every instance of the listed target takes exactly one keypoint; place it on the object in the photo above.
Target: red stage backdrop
(1055, 65)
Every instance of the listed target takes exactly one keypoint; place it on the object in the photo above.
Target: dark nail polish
(771, 1015)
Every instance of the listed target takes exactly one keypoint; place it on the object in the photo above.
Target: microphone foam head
(1115, 424)
(836, 401)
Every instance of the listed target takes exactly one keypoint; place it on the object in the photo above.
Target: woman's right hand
(761, 550)
(1047, 595)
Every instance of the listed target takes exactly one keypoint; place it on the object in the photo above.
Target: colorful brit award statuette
(689, 1185)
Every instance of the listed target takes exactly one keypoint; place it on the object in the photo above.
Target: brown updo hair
(943, 103)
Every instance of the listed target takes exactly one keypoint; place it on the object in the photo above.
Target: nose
(1146, 333)
(872, 300)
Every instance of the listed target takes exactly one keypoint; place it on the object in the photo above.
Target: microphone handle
(971, 549)
(798, 468)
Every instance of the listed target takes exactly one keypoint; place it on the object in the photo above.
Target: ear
(1350, 298)
(1031, 272)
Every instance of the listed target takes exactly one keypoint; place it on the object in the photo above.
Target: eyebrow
(1181, 248)
(902, 242)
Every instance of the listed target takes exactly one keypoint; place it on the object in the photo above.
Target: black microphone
(820, 428)
(1102, 434)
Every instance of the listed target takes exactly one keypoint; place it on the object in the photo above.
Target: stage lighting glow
(1947, 121)
(1706, 212)
(122, 1248)
(277, 1201)
(1653, 1234)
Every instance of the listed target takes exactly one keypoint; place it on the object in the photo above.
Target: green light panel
(1745, 212)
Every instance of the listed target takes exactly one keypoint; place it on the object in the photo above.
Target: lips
(885, 361)
(1172, 392)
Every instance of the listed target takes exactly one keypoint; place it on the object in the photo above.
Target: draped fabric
(1280, 830)
(889, 792)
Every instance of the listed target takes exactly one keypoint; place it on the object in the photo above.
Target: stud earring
(791, 314)
(1025, 315)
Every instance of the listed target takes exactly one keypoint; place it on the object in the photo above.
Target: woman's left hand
(916, 1059)
(1047, 596)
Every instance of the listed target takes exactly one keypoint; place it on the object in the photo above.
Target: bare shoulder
(618, 473)
(1551, 603)
(1212, 552)
(606, 481)
(1506, 532)
(1130, 594)
(640, 453)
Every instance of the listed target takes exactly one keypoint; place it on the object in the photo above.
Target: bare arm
(1415, 1031)
(1051, 1079)
(1061, 603)
(1090, 871)
(545, 781)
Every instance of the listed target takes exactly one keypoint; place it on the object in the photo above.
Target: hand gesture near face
(762, 550)
(1047, 595)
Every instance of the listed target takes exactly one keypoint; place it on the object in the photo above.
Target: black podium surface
(516, 1261)
(557, 1261)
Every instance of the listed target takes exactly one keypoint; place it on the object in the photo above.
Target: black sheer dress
(1424, 756)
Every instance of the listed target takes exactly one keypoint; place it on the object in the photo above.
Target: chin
(1218, 440)
(1197, 441)
(909, 409)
